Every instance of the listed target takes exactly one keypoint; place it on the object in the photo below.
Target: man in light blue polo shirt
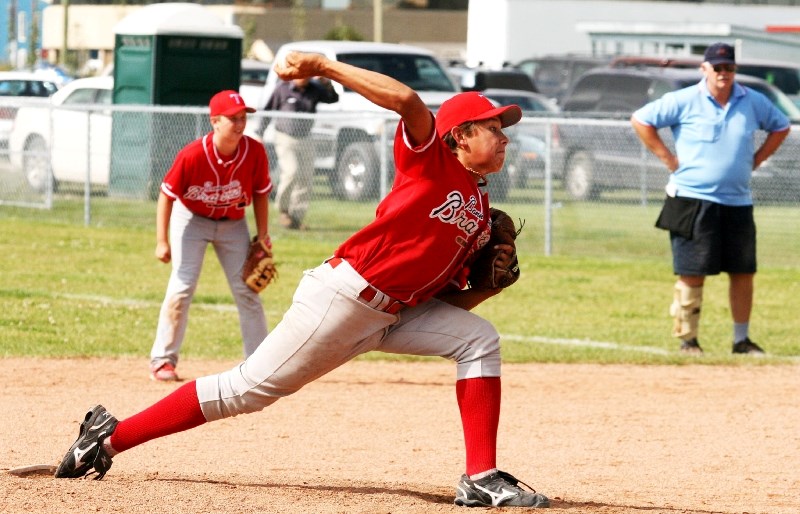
(709, 205)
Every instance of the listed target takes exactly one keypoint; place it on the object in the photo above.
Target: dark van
(592, 157)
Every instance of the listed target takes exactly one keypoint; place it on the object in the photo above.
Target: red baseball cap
(228, 103)
(473, 106)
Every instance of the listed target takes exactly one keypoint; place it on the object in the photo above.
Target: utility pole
(298, 20)
(12, 33)
(64, 45)
(377, 20)
(33, 39)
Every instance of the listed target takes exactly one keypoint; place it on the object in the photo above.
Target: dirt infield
(385, 438)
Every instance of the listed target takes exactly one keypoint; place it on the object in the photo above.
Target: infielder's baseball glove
(485, 273)
(259, 268)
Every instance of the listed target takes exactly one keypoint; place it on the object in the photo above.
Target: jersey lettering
(216, 196)
(456, 211)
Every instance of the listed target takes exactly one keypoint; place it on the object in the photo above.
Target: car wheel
(579, 177)
(36, 164)
(356, 176)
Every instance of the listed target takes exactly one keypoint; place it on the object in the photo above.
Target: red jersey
(426, 229)
(215, 189)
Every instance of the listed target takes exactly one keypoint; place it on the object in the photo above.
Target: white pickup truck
(347, 134)
(72, 149)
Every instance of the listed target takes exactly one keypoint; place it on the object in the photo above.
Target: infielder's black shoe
(691, 346)
(747, 346)
(499, 489)
(87, 452)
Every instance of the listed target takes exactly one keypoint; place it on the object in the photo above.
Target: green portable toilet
(165, 54)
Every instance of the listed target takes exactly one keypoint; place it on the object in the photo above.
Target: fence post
(51, 179)
(643, 173)
(548, 190)
(87, 185)
(384, 159)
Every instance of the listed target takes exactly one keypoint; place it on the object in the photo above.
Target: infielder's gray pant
(327, 325)
(296, 178)
(190, 235)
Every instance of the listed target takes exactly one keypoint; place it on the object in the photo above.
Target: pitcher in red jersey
(398, 285)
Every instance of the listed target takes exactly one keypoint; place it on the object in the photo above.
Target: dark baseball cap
(720, 53)
(473, 106)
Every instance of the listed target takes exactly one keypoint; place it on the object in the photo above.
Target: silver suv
(596, 157)
(554, 74)
(347, 134)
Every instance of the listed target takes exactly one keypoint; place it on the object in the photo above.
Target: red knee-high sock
(479, 403)
(176, 412)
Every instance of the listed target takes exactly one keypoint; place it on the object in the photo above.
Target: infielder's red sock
(176, 412)
(479, 403)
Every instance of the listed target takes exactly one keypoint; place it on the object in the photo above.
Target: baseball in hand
(281, 61)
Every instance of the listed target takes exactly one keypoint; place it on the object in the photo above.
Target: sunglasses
(724, 67)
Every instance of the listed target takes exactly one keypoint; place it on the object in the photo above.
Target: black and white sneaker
(86, 455)
(499, 489)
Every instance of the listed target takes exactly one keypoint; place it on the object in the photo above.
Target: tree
(12, 31)
(343, 33)
(33, 38)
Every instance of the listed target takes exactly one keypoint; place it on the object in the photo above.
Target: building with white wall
(500, 31)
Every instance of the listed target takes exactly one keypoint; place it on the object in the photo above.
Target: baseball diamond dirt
(384, 437)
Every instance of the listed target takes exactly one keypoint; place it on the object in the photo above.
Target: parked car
(783, 75)
(53, 73)
(555, 74)
(528, 101)
(477, 79)
(526, 161)
(15, 85)
(68, 153)
(28, 84)
(592, 157)
(347, 146)
(254, 76)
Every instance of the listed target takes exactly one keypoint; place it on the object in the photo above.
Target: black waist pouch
(678, 215)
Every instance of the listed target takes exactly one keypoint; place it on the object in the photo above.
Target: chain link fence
(584, 186)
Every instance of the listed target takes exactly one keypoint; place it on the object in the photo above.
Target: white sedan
(16, 86)
(34, 150)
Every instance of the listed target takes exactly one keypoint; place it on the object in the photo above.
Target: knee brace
(685, 310)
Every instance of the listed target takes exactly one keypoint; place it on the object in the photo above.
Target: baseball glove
(259, 267)
(486, 271)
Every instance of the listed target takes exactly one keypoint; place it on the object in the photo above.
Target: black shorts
(723, 240)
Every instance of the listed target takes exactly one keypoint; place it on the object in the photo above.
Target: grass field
(602, 296)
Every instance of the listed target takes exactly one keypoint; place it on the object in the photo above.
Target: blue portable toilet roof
(176, 19)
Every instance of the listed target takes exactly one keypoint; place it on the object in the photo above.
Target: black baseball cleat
(499, 489)
(691, 346)
(87, 456)
(747, 346)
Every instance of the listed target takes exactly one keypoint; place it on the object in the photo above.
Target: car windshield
(255, 76)
(781, 101)
(26, 88)
(785, 79)
(419, 72)
(777, 97)
(526, 103)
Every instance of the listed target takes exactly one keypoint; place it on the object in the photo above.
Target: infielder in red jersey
(398, 285)
(203, 199)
